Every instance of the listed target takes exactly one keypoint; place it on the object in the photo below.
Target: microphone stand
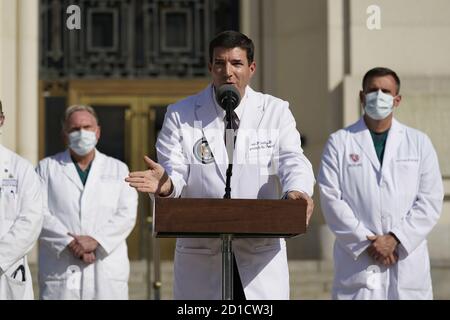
(227, 246)
(229, 142)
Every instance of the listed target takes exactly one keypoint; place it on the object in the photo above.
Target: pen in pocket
(19, 268)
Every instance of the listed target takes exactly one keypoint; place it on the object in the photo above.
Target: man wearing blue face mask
(89, 211)
(381, 195)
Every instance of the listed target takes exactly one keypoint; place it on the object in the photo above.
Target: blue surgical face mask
(82, 141)
(379, 105)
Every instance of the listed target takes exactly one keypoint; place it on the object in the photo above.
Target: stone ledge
(310, 280)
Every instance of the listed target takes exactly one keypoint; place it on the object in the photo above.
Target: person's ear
(252, 67)
(97, 133)
(210, 67)
(362, 98)
(397, 100)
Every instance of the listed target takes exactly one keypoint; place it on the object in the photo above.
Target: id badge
(9, 186)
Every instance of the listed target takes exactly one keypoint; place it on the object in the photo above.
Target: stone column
(8, 71)
(27, 79)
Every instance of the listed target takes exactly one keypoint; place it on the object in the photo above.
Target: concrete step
(309, 280)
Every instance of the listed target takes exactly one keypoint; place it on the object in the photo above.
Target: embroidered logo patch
(354, 157)
(202, 151)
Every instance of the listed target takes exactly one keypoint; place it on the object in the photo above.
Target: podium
(228, 219)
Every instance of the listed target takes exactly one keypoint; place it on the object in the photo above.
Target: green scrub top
(83, 174)
(379, 141)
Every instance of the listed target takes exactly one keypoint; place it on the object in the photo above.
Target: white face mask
(379, 105)
(82, 141)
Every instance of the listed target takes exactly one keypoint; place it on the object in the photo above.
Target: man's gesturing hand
(154, 180)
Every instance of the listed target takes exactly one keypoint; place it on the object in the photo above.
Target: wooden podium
(228, 219)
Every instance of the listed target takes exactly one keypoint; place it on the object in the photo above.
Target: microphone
(228, 97)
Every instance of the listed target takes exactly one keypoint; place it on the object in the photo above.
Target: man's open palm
(153, 180)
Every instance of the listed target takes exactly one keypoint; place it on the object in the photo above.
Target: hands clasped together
(382, 249)
(83, 247)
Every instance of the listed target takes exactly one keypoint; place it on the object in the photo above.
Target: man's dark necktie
(234, 124)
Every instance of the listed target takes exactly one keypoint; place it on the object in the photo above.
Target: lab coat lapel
(250, 120)
(205, 111)
(70, 171)
(364, 140)
(90, 198)
(394, 139)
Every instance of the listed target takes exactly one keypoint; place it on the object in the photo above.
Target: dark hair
(380, 72)
(232, 39)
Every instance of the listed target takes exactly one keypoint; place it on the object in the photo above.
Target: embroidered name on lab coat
(258, 145)
(9, 186)
(9, 182)
(407, 160)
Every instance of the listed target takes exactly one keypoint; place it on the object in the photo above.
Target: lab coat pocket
(360, 273)
(9, 202)
(111, 279)
(263, 160)
(259, 156)
(62, 285)
(13, 282)
(414, 270)
(58, 290)
(370, 278)
(407, 171)
(109, 189)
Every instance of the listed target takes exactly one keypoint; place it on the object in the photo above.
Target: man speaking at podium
(268, 163)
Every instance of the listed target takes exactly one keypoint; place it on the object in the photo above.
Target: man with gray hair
(89, 211)
(20, 222)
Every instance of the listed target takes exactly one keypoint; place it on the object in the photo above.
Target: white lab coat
(20, 223)
(266, 125)
(105, 209)
(360, 198)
